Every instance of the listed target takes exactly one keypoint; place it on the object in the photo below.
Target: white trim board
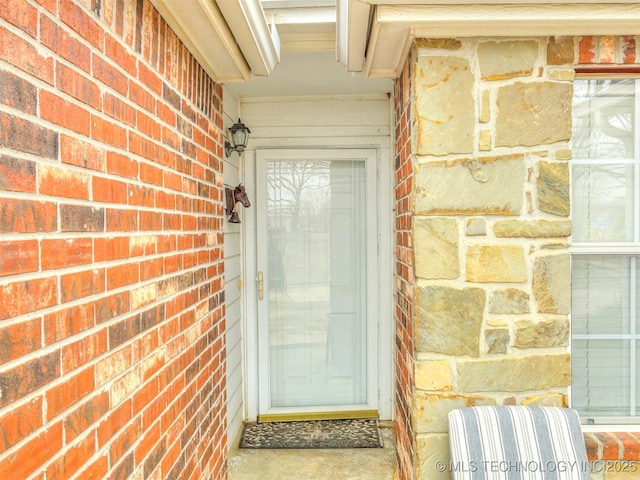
(394, 26)
(318, 116)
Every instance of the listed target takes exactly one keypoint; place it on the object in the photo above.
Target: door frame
(369, 408)
(374, 114)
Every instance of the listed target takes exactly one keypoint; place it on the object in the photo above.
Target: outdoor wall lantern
(239, 137)
(233, 196)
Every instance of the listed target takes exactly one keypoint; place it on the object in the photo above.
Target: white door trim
(382, 386)
(370, 159)
(320, 121)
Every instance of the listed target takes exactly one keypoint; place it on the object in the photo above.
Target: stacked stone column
(490, 200)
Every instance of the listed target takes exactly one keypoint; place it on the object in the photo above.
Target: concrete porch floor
(343, 464)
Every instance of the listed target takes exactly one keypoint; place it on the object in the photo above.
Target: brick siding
(404, 280)
(613, 446)
(608, 50)
(613, 455)
(112, 348)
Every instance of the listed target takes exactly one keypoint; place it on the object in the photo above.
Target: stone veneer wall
(490, 204)
(404, 278)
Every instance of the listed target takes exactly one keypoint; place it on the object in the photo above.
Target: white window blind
(605, 315)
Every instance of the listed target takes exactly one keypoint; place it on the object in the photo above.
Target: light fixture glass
(239, 136)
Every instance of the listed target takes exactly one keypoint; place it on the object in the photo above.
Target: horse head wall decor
(233, 196)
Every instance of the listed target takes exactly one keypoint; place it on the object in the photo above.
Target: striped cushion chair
(516, 443)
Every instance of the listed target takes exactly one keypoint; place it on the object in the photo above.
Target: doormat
(312, 434)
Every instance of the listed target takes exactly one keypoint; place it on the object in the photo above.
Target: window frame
(630, 249)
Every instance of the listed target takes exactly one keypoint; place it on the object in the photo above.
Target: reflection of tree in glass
(296, 189)
(603, 119)
(601, 196)
(604, 130)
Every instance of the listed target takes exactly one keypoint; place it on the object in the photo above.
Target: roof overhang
(259, 43)
(380, 49)
(229, 38)
(232, 40)
(353, 18)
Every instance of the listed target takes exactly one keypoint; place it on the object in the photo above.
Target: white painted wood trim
(308, 41)
(355, 32)
(487, 2)
(342, 15)
(395, 25)
(248, 24)
(371, 160)
(202, 28)
(262, 365)
(303, 15)
(233, 288)
(536, 19)
(389, 45)
(250, 330)
(386, 264)
(315, 98)
(319, 115)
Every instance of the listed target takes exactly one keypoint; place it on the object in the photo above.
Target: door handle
(260, 286)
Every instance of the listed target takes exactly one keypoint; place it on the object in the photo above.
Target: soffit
(259, 43)
(308, 28)
(236, 43)
(229, 38)
(393, 24)
(199, 24)
(236, 40)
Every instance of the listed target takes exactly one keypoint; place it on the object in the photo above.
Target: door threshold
(307, 416)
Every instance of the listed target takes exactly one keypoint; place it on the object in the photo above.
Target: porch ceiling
(240, 40)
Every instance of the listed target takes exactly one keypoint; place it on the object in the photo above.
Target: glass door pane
(316, 282)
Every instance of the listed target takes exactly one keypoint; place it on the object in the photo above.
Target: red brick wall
(404, 279)
(609, 50)
(112, 349)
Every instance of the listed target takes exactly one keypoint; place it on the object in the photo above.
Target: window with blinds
(605, 315)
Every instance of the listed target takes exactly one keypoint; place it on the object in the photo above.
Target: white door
(316, 283)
